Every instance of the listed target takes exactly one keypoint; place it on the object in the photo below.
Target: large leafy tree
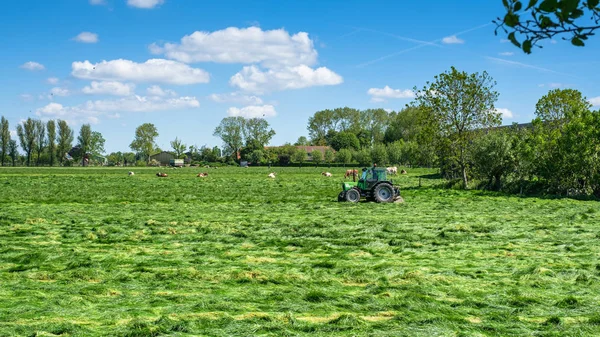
(65, 139)
(404, 125)
(144, 142)
(344, 140)
(373, 123)
(51, 141)
(326, 121)
(178, 147)
(97, 144)
(27, 133)
(528, 22)
(4, 139)
(230, 130)
(256, 130)
(560, 105)
(13, 152)
(84, 141)
(458, 104)
(40, 142)
(493, 157)
(302, 141)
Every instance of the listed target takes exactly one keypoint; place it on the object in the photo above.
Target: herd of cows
(349, 173)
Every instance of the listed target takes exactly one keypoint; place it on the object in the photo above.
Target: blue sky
(185, 64)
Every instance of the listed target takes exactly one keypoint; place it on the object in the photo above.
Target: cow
(392, 170)
(271, 175)
(326, 174)
(403, 172)
(202, 175)
(350, 173)
(130, 173)
(160, 174)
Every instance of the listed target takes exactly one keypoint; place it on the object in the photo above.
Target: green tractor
(373, 185)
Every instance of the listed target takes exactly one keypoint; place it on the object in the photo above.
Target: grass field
(94, 252)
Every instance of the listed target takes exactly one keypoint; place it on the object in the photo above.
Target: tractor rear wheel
(342, 196)
(384, 193)
(352, 195)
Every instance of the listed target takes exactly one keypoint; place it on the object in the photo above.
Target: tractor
(373, 185)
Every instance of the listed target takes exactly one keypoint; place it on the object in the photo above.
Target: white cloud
(452, 40)
(145, 3)
(26, 97)
(52, 80)
(507, 53)
(379, 95)
(504, 40)
(13, 134)
(32, 66)
(155, 90)
(91, 111)
(252, 79)
(62, 92)
(153, 70)
(553, 41)
(270, 48)
(236, 97)
(505, 113)
(109, 88)
(595, 101)
(253, 111)
(97, 2)
(86, 37)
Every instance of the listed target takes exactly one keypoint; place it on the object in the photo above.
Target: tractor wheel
(352, 195)
(342, 196)
(384, 193)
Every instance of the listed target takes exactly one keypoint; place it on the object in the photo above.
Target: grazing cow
(350, 173)
(403, 172)
(202, 175)
(271, 175)
(130, 173)
(392, 170)
(161, 174)
(326, 174)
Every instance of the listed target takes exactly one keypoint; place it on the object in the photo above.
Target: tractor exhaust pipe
(353, 175)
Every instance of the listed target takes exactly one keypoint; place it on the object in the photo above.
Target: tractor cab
(372, 184)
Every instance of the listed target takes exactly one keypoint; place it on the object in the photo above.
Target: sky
(184, 65)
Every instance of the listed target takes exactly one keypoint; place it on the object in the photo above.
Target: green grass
(94, 252)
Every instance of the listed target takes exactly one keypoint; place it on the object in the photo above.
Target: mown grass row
(94, 252)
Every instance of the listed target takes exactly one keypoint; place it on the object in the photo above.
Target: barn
(164, 157)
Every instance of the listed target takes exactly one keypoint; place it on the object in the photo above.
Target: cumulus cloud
(92, 110)
(252, 79)
(452, 40)
(153, 70)
(236, 97)
(595, 101)
(505, 113)
(13, 134)
(33, 66)
(155, 90)
(253, 111)
(379, 95)
(62, 92)
(86, 37)
(147, 4)
(109, 88)
(250, 45)
(52, 80)
(26, 97)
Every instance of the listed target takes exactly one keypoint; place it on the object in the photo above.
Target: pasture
(95, 252)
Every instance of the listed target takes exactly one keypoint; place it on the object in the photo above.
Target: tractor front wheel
(352, 195)
(384, 193)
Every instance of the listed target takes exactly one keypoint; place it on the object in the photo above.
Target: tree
(128, 158)
(84, 141)
(345, 140)
(257, 157)
(379, 154)
(299, 156)
(344, 156)
(65, 139)
(373, 123)
(339, 119)
(404, 125)
(363, 157)
(27, 137)
(576, 18)
(40, 133)
(317, 156)
(13, 151)
(97, 144)
(4, 139)
(302, 141)
(458, 104)
(560, 105)
(256, 130)
(51, 127)
(493, 158)
(145, 140)
(178, 147)
(394, 152)
(230, 130)
(329, 156)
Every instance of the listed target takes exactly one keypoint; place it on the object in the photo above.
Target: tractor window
(364, 175)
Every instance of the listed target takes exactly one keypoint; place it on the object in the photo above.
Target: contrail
(421, 45)
(398, 37)
(529, 66)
